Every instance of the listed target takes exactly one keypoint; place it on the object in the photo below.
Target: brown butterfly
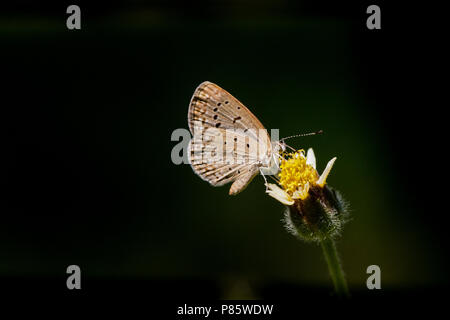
(229, 143)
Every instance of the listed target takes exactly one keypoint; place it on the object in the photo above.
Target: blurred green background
(88, 171)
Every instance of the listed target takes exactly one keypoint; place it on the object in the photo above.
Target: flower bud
(318, 216)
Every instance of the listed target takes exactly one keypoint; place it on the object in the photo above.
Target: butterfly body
(229, 143)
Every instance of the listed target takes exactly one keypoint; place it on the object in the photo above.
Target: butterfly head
(280, 146)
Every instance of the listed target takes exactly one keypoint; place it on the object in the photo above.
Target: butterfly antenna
(303, 135)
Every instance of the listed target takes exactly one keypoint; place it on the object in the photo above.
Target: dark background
(87, 118)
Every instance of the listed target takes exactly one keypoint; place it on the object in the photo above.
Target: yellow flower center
(296, 175)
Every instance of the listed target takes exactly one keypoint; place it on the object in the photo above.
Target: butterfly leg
(263, 175)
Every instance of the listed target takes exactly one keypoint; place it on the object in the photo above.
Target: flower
(298, 174)
(314, 211)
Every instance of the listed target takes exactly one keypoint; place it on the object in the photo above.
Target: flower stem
(335, 268)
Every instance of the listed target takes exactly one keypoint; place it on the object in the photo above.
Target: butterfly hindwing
(220, 163)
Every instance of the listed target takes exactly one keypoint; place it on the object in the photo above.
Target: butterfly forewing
(229, 143)
(220, 109)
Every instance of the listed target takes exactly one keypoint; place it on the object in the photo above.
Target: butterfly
(229, 143)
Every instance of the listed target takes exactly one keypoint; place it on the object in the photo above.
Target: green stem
(335, 268)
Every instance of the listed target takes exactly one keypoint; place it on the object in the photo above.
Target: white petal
(276, 192)
(301, 193)
(326, 172)
(311, 158)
